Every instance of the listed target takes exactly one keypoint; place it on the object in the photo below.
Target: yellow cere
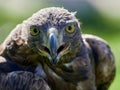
(34, 31)
(70, 28)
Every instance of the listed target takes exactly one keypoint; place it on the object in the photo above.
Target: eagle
(48, 51)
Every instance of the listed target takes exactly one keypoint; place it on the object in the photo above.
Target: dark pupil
(35, 30)
(69, 27)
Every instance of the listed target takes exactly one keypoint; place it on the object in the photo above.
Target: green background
(96, 18)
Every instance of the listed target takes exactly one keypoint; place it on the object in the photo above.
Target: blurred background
(98, 17)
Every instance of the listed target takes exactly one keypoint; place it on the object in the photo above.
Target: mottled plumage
(48, 52)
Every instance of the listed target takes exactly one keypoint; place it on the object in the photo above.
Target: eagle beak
(53, 48)
(56, 48)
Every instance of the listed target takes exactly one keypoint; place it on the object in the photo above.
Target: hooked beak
(55, 48)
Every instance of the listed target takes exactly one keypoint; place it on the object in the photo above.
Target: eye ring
(70, 28)
(34, 31)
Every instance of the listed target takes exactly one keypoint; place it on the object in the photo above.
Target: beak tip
(54, 62)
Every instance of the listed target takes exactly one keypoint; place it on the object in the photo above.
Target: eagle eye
(70, 28)
(34, 31)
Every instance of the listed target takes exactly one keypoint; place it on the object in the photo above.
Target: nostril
(63, 47)
(44, 48)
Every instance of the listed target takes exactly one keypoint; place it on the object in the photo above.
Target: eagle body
(48, 52)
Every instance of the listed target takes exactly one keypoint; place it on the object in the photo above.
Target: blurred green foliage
(92, 22)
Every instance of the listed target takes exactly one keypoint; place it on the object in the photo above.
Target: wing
(103, 60)
(22, 80)
(14, 77)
